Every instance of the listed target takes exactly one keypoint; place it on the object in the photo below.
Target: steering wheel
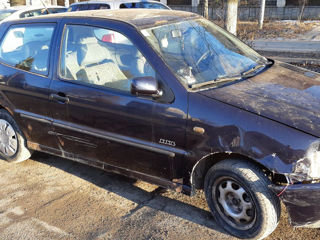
(204, 56)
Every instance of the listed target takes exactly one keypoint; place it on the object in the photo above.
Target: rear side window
(27, 47)
(143, 5)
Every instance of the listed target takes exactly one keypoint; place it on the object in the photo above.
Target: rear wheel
(12, 142)
(239, 198)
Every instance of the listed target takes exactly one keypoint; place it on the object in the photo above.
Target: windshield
(200, 52)
(5, 13)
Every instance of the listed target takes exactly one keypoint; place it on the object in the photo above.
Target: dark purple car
(170, 98)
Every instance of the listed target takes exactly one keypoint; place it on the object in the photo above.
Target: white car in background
(23, 12)
(116, 4)
(4, 13)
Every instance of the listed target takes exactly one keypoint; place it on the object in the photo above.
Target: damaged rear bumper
(303, 203)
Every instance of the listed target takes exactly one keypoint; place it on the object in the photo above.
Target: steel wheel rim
(234, 204)
(8, 139)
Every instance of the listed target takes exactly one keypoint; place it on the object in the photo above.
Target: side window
(151, 5)
(101, 57)
(93, 6)
(71, 9)
(104, 6)
(26, 14)
(32, 13)
(83, 7)
(142, 5)
(27, 47)
(74, 8)
(128, 5)
(56, 10)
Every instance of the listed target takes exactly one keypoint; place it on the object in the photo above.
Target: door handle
(60, 97)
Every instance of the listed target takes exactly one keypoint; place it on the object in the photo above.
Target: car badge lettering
(167, 142)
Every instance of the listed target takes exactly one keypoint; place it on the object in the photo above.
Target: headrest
(91, 53)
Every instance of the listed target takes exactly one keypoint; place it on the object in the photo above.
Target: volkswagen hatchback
(170, 98)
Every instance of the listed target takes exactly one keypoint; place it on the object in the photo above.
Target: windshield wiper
(217, 80)
(246, 74)
(249, 72)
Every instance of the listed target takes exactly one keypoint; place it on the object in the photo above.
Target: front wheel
(12, 142)
(239, 198)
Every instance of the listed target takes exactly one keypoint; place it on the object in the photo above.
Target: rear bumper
(303, 204)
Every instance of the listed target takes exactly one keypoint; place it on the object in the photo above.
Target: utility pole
(232, 16)
(206, 9)
(262, 10)
(303, 3)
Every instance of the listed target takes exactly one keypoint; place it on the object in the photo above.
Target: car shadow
(125, 187)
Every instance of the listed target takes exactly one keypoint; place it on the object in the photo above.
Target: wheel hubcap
(234, 204)
(8, 139)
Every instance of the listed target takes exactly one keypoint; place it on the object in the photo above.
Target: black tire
(21, 152)
(240, 201)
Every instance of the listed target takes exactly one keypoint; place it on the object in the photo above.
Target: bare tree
(232, 16)
(262, 10)
(206, 9)
(302, 3)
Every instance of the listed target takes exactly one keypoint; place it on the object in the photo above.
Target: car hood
(284, 93)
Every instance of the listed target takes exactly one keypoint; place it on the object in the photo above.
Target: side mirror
(145, 86)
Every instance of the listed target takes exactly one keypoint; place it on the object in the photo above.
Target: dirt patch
(249, 31)
(274, 30)
(53, 198)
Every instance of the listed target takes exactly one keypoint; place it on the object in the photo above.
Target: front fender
(229, 130)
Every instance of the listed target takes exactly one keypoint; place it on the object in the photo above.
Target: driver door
(96, 119)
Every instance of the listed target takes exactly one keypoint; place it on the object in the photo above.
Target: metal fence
(252, 13)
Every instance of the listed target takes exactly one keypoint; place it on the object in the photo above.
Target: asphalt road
(298, 51)
(52, 198)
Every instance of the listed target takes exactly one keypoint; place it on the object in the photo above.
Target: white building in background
(4, 4)
(38, 2)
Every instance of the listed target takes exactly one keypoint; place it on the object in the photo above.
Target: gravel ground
(52, 198)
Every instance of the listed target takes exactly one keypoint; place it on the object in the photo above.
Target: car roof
(140, 18)
(108, 1)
